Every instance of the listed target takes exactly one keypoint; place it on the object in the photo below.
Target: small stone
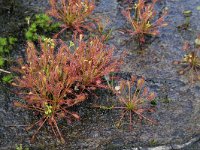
(175, 62)
(181, 72)
(117, 88)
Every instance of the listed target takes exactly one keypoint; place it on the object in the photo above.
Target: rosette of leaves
(134, 99)
(144, 21)
(93, 60)
(72, 14)
(46, 83)
(41, 26)
(190, 63)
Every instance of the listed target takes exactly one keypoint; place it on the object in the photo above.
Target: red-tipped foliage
(47, 79)
(190, 63)
(134, 102)
(93, 60)
(72, 13)
(54, 80)
(133, 98)
(142, 23)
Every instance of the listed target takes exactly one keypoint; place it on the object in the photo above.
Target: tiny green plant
(72, 14)
(143, 21)
(40, 26)
(153, 142)
(191, 62)
(47, 80)
(134, 99)
(187, 14)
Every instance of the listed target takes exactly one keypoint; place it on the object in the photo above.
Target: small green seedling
(187, 14)
(153, 142)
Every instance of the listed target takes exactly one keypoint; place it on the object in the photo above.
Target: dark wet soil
(178, 102)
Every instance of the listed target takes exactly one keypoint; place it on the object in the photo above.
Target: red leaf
(140, 111)
(76, 116)
(18, 104)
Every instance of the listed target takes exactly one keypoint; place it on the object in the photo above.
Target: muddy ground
(178, 102)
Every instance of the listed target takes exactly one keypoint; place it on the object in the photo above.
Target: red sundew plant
(93, 60)
(190, 63)
(72, 14)
(133, 99)
(142, 22)
(46, 81)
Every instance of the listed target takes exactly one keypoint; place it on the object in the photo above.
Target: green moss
(153, 103)
(1, 61)
(41, 26)
(7, 78)
(20, 147)
(6, 45)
